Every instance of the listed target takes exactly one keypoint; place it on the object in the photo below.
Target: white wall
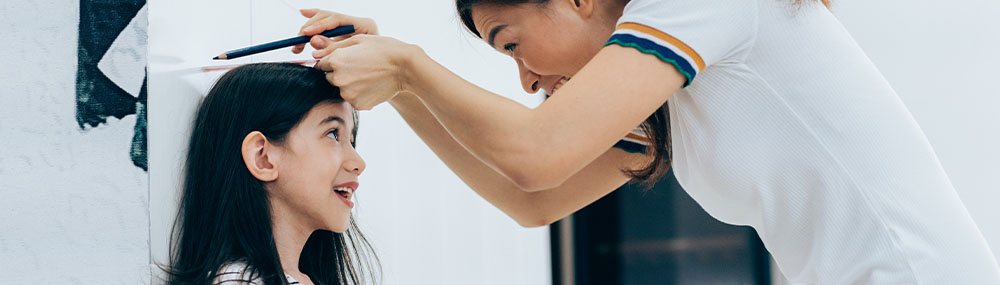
(942, 57)
(426, 225)
(73, 207)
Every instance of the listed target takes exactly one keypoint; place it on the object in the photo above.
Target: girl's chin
(339, 227)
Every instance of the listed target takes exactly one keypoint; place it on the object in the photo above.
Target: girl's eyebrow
(332, 119)
(329, 119)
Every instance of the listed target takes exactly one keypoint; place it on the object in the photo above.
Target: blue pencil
(339, 31)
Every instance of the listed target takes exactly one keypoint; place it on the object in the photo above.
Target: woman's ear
(259, 155)
(585, 8)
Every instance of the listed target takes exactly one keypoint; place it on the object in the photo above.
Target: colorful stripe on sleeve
(634, 142)
(665, 47)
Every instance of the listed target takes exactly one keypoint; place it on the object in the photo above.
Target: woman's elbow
(532, 175)
(534, 222)
(527, 167)
(533, 181)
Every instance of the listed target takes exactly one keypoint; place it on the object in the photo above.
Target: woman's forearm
(499, 131)
(488, 183)
(530, 209)
(543, 147)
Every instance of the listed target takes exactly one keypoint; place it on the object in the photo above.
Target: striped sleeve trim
(665, 47)
(635, 142)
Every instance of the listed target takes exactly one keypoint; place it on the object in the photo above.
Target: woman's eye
(510, 47)
(333, 134)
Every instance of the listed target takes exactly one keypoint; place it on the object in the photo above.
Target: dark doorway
(656, 236)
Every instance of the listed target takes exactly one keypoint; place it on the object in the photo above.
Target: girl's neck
(289, 239)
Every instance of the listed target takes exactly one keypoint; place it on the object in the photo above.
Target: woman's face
(549, 42)
(318, 170)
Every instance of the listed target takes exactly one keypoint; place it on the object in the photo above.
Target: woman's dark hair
(656, 127)
(224, 214)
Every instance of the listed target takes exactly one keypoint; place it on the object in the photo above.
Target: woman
(776, 119)
(270, 173)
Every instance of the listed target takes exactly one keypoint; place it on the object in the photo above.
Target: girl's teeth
(345, 192)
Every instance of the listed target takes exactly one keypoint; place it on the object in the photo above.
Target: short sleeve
(635, 142)
(689, 34)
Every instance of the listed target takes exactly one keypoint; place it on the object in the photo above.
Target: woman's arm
(530, 209)
(543, 148)
(537, 149)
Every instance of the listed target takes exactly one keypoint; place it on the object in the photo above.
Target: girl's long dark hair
(656, 127)
(224, 214)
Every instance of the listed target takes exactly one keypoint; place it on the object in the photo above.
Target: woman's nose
(529, 80)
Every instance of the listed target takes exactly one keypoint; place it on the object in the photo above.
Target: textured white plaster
(73, 207)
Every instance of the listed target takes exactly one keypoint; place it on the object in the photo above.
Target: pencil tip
(221, 56)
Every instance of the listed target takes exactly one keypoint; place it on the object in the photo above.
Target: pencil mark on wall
(111, 67)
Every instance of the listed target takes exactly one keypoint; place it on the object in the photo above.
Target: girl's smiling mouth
(346, 191)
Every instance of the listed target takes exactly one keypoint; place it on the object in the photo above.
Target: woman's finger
(329, 78)
(308, 13)
(332, 46)
(325, 65)
(307, 24)
(340, 38)
(314, 15)
(319, 42)
(326, 61)
(327, 23)
(298, 48)
(308, 28)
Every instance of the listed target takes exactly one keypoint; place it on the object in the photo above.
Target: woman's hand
(368, 69)
(320, 20)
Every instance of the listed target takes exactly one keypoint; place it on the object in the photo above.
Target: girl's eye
(510, 47)
(334, 134)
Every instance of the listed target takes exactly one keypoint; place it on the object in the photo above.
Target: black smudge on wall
(97, 97)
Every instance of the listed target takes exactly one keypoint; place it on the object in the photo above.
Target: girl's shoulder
(237, 272)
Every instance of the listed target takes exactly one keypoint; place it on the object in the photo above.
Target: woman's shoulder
(237, 272)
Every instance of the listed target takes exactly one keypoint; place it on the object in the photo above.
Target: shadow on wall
(111, 67)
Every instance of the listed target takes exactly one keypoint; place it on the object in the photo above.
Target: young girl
(776, 119)
(270, 173)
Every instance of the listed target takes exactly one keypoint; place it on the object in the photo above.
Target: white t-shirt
(786, 126)
(238, 273)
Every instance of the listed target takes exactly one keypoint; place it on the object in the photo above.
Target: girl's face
(549, 42)
(318, 170)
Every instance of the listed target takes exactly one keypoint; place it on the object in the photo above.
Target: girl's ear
(259, 155)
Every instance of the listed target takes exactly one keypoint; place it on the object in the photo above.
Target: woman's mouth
(555, 86)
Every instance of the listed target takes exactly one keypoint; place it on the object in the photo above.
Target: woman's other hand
(321, 20)
(368, 69)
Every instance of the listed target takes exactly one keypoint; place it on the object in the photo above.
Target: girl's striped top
(239, 273)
